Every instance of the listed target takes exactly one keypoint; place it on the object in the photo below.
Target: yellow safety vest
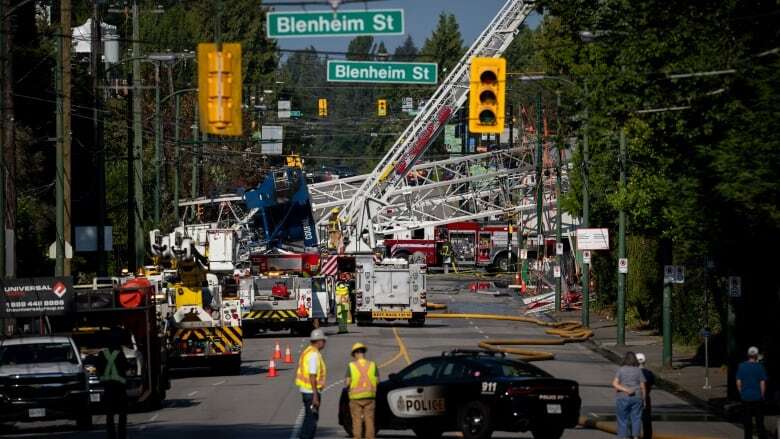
(302, 375)
(362, 379)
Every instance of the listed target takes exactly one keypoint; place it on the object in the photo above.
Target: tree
(445, 45)
(360, 48)
(406, 51)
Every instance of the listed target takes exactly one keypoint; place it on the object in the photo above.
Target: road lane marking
(219, 383)
(193, 393)
(402, 346)
(296, 430)
(154, 418)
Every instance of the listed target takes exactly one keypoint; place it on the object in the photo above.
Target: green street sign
(285, 24)
(382, 72)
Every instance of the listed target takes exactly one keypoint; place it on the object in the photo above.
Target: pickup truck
(43, 378)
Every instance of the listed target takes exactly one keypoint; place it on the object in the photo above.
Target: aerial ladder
(359, 214)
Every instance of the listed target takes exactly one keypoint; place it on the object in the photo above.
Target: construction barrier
(566, 332)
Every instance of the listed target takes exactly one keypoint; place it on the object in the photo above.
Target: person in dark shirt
(751, 383)
(647, 410)
(112, 370)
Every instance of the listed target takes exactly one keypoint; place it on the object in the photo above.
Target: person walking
(751, 384)
(629, 383)
(362, 378)
(647, 410)
(112, 368)
(310, 378)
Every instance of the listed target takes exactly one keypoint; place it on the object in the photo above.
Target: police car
(476, 393)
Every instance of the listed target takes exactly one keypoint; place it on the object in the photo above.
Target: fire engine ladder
(424, 128)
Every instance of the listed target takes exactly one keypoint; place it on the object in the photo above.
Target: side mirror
(393, 377)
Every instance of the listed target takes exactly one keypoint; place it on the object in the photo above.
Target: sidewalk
(685, 379)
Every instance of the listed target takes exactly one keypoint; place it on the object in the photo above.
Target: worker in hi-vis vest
(362, 377)
(310, 379)
(112, 372)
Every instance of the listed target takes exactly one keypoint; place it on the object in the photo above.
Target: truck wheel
(474, 421)
(363, 320)
(501, 263)
(84, 420)
(417, 320)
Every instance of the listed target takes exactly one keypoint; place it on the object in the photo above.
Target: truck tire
(363, 319)
(502, 263)
(417, 320)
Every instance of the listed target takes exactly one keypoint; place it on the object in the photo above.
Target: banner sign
(291, 24)
(36, 296)
(593, 239)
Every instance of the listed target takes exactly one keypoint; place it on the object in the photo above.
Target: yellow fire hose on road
(435, 306)
(566, 332)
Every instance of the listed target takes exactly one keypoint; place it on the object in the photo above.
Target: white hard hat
(640, 357)
(317, 335)
(752, 351)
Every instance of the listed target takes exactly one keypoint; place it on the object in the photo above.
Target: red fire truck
(467, 243)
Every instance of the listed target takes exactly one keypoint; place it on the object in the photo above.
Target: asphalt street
(251, 405)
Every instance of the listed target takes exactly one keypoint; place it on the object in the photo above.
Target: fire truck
(391, 290)
(467, 243)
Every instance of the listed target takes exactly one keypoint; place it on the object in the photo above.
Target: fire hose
(566, 332)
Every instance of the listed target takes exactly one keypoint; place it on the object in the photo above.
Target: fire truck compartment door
(391, 288)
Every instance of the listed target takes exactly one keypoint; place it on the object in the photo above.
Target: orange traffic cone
(288, 355)
(277, 352)
(272, 369)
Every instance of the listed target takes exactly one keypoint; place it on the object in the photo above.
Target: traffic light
(322, 107)
(381, 107)
(219, 88)
(486, 95)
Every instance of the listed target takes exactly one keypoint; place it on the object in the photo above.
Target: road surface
(250, 405)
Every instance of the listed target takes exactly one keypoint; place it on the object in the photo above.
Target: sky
(421, 17)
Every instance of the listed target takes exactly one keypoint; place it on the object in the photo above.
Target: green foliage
(643, 289)
(445, 45)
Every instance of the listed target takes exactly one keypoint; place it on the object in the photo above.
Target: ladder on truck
(451, 94)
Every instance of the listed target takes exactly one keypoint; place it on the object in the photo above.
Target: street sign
(586, 256)
(407, 105)
(669, 271)
(593, 239)
(559, 248)
(556, 271)
(272, 136)
(53, 250)
(623, 265)
(292, 24)
(523, 253)
(383, 72)
(735, 286)
(679, 274)
(283, 109)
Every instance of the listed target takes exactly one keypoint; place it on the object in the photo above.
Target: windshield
(37, 353)
(100, 340)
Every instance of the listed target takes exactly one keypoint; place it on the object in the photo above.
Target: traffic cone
(272, 369)
(288, 355)
(277, 352)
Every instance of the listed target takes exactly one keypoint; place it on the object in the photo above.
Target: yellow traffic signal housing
(219, 88)
(322, 107)
(381, 107)
(487, 85)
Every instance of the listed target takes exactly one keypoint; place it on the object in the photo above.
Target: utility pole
(558, 233)
(63, 133)
(157, 146)
(621, 280)
(138, 194)
(3, 54)
(65, 11)
(539, 183)
(97, 135)
(131, 217)
(176, 158)
(666, 307)
(585, 219)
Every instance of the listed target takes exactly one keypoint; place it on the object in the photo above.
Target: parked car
(43, 378)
